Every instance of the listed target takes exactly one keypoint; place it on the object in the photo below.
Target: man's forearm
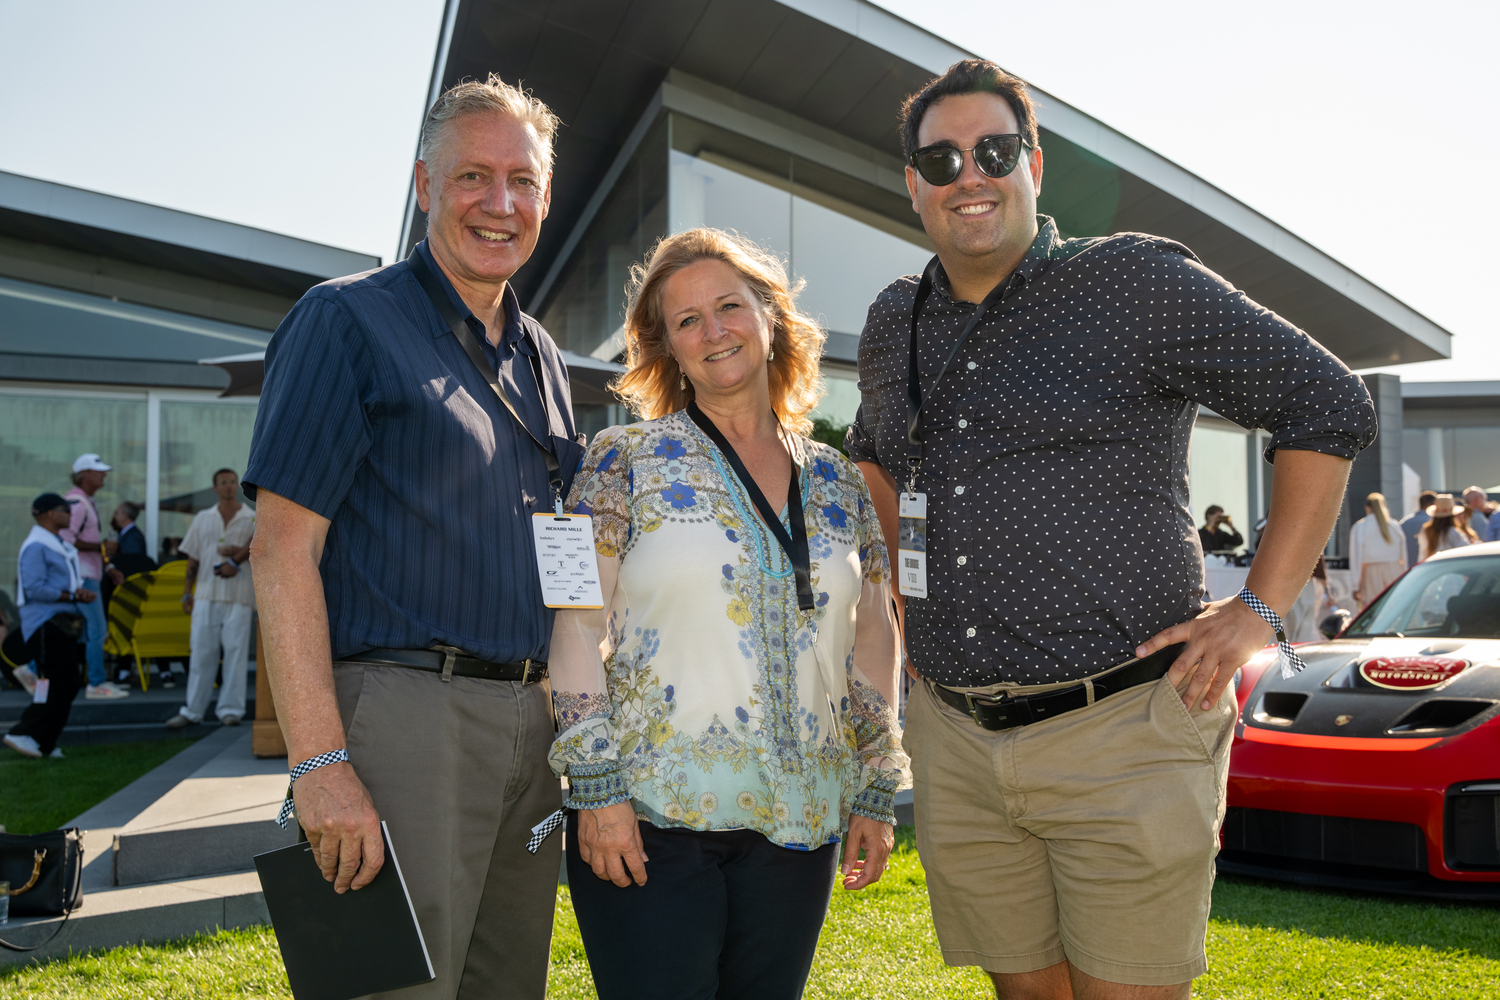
(1306, 494)
(294, 628)
(885, 495)
(190, 578)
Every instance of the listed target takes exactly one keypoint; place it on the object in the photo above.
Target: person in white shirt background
(218, 593)
(1448, 529)
(1377, 551)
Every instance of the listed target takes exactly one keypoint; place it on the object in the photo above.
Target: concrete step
(111, 918)
(214, 820)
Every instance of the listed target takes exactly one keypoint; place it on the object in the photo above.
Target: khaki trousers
(459, 773)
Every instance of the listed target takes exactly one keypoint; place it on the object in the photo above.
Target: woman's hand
(609, 841)
(878, 840)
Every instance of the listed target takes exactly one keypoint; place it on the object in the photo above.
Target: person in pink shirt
(83, 532)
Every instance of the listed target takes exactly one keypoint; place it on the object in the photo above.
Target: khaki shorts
(1089, 837)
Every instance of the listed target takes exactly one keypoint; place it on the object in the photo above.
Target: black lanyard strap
(914, 379)
(460, 328)
(793, 544)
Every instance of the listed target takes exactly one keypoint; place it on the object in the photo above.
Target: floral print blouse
(700, 692)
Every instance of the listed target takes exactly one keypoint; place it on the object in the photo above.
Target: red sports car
(1378, 767)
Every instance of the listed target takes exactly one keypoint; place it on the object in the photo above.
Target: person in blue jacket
(49, 591)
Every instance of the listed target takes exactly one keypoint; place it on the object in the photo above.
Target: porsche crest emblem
(1343, 720)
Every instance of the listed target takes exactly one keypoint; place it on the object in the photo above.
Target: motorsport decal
(1411, 673)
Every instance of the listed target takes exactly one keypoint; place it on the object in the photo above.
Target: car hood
(1384, 688)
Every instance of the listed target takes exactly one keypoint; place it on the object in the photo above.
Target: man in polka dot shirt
(1068, 795)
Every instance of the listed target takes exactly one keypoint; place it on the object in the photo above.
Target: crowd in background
(68, 569)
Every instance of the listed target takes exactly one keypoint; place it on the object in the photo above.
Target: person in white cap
(220, 595)
(84, 534)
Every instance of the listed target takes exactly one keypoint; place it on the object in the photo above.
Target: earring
(772, 356)
(682, 381)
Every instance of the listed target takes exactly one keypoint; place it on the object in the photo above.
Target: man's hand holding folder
(342, 826)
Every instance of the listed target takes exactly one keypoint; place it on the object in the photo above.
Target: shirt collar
(510, 334)
(1045, 248)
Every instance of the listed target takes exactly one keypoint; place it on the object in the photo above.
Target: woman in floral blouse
(723, 737)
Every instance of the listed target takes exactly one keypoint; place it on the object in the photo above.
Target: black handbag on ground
(45, 872)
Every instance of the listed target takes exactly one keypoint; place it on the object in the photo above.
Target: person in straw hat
(1447, 529)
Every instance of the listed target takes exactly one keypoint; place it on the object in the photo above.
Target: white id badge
(565, 560)
(911, 542)
(39, 696)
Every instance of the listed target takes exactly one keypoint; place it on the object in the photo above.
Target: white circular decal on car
(1411, 673)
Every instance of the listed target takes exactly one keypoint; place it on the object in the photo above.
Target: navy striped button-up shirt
(374, 417)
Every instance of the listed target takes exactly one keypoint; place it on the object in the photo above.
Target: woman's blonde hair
(650, 386)
(1375, 504)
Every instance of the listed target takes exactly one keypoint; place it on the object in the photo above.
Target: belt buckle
(527, 664)
(976, 701)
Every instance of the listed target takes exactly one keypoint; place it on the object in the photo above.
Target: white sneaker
(103, 692)
(26, 677)
(122, 688)
(56, 753)
(23, 745)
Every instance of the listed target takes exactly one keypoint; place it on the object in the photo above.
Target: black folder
(337, 947)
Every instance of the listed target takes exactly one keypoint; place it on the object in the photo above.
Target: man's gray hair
(470, 97)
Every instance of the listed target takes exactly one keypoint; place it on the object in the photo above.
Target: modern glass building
(106, 308)
(775, 119)
(778, 120)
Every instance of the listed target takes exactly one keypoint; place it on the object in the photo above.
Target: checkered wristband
(544, 829)
(1290, 662)
(310, 764)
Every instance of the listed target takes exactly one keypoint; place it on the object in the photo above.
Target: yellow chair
(146, 618)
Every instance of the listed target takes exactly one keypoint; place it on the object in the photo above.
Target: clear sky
(1368, 128)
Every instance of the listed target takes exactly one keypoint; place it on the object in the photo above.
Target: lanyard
(913, 379)
(460, 328)
(794, 544)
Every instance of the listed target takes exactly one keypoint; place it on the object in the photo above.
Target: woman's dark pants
(58, 658)
(722, 916)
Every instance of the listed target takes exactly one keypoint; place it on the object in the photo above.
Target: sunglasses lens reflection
(998, 155)
(940, 165)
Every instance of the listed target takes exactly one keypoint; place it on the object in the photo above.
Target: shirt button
(970, 633)
(962, 424)
(962, 560)
(959, 490)
(972, 366)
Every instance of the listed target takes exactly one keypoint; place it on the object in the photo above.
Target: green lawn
(1265, 941)
(41, 795)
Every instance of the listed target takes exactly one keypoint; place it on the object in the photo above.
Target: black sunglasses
(995, 156)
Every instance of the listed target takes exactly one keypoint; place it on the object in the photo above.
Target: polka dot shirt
(1083, 381)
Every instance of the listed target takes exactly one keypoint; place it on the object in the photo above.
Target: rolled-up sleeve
(1212, 344)
(313, 430)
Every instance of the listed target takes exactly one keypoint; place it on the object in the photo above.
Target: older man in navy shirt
(412, 420)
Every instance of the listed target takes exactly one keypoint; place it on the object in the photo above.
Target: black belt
(1005, 711)
(450, 661)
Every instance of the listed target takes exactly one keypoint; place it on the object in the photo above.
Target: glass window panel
(198, 439)
(41, 435)
(585, 310)
(842, 396)
(1217, 476)
(846, 263)
(706, 192)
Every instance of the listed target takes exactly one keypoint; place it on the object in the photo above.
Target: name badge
(565, 560)
(911, 542)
